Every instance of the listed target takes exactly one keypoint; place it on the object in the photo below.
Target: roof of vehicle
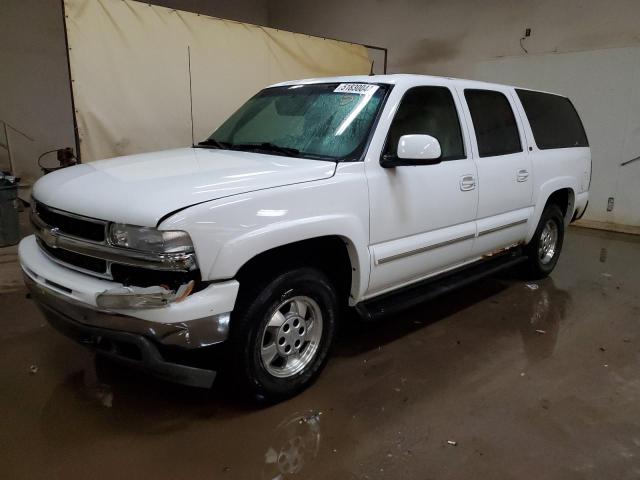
(404, 79)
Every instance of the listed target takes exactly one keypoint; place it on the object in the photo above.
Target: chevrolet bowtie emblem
(51, 236)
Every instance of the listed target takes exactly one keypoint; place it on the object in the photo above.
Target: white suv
(375, 192)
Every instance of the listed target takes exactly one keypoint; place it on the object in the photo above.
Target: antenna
(193, 141)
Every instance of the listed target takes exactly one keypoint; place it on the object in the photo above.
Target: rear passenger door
(504, 168)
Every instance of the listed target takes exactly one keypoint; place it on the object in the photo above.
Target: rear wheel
(544, 248)
(282, 331)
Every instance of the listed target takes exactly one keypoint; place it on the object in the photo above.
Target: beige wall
(133, 100)
(586, 49)
(249, 11)
(34, 89)
(34, 83)
(441, 37)
(444, 37)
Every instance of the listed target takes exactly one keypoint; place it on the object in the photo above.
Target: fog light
(123, 298)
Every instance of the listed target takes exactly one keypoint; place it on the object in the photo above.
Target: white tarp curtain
(130, 71)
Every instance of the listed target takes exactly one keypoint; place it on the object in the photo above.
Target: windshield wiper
(210, 142)
(266, 147)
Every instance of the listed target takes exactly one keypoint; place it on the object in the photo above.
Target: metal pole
(6, 136)
(382, 49)
(73, 103)
(193, 141)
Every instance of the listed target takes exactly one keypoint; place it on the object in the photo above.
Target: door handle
(467, 182)
(523, 175)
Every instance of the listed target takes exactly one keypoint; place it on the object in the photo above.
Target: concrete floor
(530, 382)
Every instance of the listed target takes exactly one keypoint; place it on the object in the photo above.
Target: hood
(141, 189)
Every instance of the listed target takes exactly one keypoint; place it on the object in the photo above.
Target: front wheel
(544, 248)
(282, 331)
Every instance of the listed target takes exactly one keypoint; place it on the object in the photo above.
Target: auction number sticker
(359, 88)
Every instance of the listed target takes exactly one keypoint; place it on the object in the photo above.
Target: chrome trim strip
(502, 227)
(39, 205)
(53, 238)
(397, 256)
(69, 214)
(106, 275)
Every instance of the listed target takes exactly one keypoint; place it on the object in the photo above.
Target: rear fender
(546, 190)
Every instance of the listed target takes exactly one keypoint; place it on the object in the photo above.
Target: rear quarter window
(553, 119)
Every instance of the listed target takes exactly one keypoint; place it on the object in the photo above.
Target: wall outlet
(610, 203)
(527, 32)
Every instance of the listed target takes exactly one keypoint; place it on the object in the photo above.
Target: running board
(396, 301)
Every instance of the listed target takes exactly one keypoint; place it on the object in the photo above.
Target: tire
(544, 248)
(306, 324)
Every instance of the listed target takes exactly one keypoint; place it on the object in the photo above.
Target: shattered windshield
(329, 121)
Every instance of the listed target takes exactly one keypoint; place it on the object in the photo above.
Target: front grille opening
(128, 350)
(81, 261)
(127, 275)
(144, 277)
(213, 357)
(58, 286)
(122, 349)
(71, 225)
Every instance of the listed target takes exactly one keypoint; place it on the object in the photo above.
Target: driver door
(422, 218)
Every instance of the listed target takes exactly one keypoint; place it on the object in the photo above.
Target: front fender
(229, 232)
(234, 253)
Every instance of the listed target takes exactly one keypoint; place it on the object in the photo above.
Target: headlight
(150, 239)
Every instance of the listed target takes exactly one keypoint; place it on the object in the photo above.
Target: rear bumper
(580, 205)
(579, 214)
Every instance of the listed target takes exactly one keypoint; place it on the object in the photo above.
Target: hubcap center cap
(291, 335)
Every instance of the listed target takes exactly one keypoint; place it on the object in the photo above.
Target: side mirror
(414, 150)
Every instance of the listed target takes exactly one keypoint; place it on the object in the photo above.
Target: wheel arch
(560, 191)
(335, 255)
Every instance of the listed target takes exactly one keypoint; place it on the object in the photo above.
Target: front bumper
(202, 319)
(133, 350)
(68, 299)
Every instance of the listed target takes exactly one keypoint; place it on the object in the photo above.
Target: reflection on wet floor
(603, 255)
(498, 379)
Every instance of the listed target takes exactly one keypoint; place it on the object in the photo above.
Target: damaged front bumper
(133, 350)
(133, 336)
(142, 297)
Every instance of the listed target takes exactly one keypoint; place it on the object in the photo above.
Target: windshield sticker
(359, 88)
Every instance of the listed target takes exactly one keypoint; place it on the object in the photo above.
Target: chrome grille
(82, 244)
(81, 262)
(71, 224)
(46, 219)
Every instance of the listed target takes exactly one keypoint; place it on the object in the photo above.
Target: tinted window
(494, 123)
(431, 111)
(553, 119)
